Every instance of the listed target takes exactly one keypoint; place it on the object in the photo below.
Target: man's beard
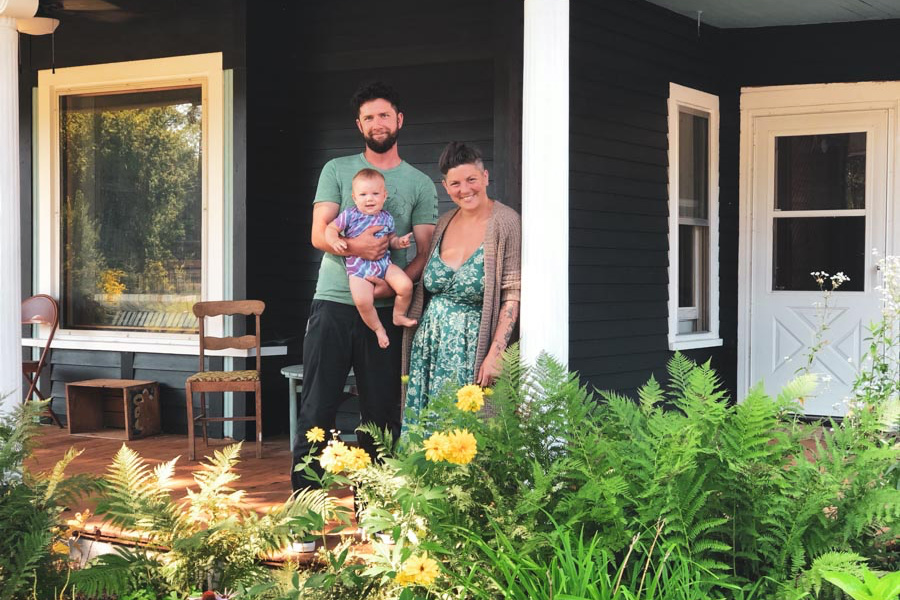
(383, 146)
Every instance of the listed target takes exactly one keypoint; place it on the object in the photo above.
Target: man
(336, 336)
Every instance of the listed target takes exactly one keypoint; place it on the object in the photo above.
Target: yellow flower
(470, 398)
(316, 434)
(404, 379)
(418, 570)
(357, 458)
(435, 447)
(337, 457)
(60, 548)
(334, 456)
(79, 520)
(488, 392)
(461, 447)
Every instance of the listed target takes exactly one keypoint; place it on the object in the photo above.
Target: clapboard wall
(458, 80)
(623, 56)
(152, 30)
(828, 53)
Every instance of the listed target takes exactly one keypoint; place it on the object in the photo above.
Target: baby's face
(369, 195)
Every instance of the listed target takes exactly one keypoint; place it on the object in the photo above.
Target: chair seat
(29, 366)
(225, 376)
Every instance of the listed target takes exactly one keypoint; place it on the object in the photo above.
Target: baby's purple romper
(351, 223)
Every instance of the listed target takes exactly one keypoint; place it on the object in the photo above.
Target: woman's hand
(490, 369)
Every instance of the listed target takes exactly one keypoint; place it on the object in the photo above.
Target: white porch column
(10, 240)
(545, 181)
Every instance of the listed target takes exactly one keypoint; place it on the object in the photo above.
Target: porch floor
(266, 481)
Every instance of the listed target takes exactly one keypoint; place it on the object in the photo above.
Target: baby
(369, 195)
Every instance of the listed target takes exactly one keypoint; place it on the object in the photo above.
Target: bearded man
(336, 336)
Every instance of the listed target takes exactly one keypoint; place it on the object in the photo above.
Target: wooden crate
(125, 409)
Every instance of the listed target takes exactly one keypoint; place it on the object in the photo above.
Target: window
(130, 189)
(693, 219)
(131, 203)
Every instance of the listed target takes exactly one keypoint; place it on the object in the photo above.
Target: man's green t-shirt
(411, 200)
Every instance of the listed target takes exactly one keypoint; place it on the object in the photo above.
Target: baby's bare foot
(383, 340)
(403, 321)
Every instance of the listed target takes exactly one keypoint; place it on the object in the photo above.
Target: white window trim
(681, 96)
(203, 69)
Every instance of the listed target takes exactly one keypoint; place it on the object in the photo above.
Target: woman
(469, 290)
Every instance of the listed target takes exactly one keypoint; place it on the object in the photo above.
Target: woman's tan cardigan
(502, 276)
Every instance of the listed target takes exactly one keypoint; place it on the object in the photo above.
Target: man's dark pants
(337, 339)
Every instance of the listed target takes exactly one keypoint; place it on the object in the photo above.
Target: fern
(30, 508)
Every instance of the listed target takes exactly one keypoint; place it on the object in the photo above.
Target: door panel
(819, 202)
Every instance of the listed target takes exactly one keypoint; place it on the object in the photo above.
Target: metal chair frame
(40, 309)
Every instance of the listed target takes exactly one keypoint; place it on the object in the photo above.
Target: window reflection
(131, 183)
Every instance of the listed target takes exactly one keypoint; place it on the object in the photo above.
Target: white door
(819, 199)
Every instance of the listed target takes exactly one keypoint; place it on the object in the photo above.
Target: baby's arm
(398, 242)
(334, 239)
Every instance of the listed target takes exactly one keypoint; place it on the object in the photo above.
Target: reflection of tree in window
(131, 184)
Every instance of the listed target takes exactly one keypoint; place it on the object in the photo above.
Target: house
(689, 161)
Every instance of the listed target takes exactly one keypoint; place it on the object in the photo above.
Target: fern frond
(381, 437)
(114, 573)
(679, 368)
(797, 390)
(650, 394)
(132, 498)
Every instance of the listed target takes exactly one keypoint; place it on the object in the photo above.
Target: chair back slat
(228, 307)
(244, 342)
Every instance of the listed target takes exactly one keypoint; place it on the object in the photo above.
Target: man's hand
(382, 289)
(367, 246)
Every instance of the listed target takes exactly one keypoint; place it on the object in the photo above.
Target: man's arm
(365, 245)
(422, 235)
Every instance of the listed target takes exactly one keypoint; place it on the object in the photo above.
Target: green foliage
(210, 540)
(30, 508)
(871, 587)
(743, 496)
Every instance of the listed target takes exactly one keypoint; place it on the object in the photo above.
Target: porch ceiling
(767, 13)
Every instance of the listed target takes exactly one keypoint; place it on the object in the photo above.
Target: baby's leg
(363, 294)
(403, 286)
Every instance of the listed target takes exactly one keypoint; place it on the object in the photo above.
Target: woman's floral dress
(443, 350)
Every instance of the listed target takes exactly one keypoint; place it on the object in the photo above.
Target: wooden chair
(39, 310)
(224, 381)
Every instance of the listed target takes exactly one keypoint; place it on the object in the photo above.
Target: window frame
(693, 101)
(204, 70)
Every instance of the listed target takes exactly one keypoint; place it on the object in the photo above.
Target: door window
(819, 214)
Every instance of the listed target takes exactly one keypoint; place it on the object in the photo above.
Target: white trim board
(182, 347)
(203, 69)
(796, 100)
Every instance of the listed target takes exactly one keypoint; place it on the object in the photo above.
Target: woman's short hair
(460, 153)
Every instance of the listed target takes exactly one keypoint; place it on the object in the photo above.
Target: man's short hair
(460, 153)
(367, 174)
(375, 90)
